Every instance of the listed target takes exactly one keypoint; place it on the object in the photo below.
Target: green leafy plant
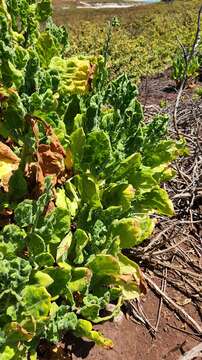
(80, 176)
(200, 61)
(198, 91)
(179, 71)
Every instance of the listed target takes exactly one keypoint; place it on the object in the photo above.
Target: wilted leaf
(9, 162)
(84, 329)
(132, 231)
(76, 74)
(51, 162)
(51, 159)
(131, 279)
(18, 332)
(104, 265)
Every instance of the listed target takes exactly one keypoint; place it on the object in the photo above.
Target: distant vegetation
(144, 43)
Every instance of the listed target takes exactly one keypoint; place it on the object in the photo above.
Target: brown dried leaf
(51, 160)
(8, 163)
(55, 143)
(7, 154)
(5, 93)
(91, 72)
(5, 216)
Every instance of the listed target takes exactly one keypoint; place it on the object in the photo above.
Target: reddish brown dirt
(160, 89)
(157, 88)
(133, 341)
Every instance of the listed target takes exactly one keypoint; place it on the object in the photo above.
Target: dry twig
(188, 59)
(181, 312)
(191, 354)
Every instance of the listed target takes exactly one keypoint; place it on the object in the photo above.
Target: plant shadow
(69, 346)
(79, 347)
(169, 89)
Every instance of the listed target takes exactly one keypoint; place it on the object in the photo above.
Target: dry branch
(191, 354)
(181, 312)
(188, 59)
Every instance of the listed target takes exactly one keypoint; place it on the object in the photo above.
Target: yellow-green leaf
(132, 231)
(37, 301)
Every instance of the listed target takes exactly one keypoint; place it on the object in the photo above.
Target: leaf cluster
(80, 181)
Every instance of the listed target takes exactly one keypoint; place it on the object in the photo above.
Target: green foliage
(198, 91)
(145, 41)
(180, 71)
(87, 180)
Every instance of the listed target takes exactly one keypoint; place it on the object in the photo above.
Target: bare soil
(134, 342)
(160, 89)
